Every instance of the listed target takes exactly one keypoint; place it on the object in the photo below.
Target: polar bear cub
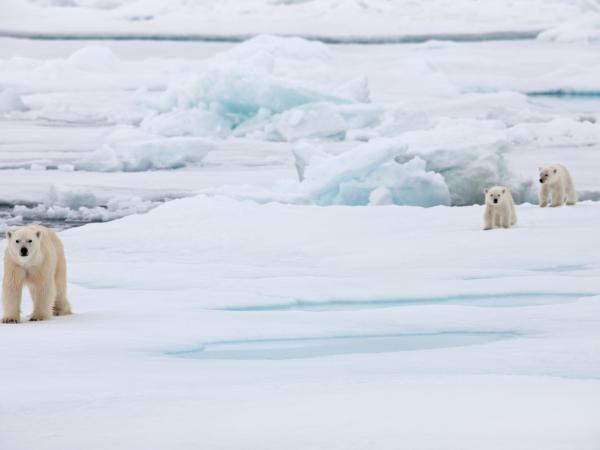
(499, 208)
(557, 186)
(34, 257)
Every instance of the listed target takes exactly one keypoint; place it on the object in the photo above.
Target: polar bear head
(24, 245)
(548, 174)
(495, 195)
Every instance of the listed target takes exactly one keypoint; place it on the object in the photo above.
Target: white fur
(557, 186)
(43, 270)
(502, 213)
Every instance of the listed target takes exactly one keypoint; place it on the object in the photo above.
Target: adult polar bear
(34, 257)
(557, 186)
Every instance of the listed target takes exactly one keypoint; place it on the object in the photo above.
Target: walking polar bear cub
(557, 186)
(34, 257)
(499, 208)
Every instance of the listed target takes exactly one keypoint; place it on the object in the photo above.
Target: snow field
(537, 385)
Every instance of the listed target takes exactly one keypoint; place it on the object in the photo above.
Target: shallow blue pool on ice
(490, 300)
(314, 347)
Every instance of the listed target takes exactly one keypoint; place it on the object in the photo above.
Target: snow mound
(129, 150)
(559, 132)
(191, 122)
(577, 79)
(93, 58)
(283, 88)
(88, 61)
(585, 28)
(10, 101)
(323, 120)
(283, 51)
(80, 205)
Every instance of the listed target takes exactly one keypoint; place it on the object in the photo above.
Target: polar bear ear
(485, 191)
(504, 191)
(555, 170)
(38, 233)
(540, 168)
(8, 235)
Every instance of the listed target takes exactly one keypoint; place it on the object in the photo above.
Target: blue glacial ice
(450, 162)
(371, 175)
(277, 88)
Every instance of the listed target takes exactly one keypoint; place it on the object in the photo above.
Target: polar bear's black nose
(24, 251)
(541, 181)
(495, 200)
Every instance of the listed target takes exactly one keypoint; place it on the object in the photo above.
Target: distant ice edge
(235, 38)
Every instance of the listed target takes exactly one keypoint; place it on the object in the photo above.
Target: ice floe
(372, 175)
(284, 88)
(79, 205)
(129, 150)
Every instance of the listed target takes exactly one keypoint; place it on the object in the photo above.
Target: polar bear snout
(24, 252)
(495, 200)
(541, 180)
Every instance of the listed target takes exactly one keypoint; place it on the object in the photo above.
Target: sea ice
(130, 150)
(372, 175)
(10, 101)
(81, 205)
(283, 87)
(584, 28)
(450, 163)
(93, 58)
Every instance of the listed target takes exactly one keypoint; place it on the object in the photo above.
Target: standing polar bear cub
(499, 208)
(34, 257)
(557, 186)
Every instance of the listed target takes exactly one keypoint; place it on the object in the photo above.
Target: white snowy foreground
(217, 324)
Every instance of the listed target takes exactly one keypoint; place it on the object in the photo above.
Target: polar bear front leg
(558, 196)
(43, 296)
(544, 191)
(488, 219)
(506, 220)
(12, 289)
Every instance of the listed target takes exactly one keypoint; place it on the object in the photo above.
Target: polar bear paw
(10, 320)
(38, 317)
(61, 311)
